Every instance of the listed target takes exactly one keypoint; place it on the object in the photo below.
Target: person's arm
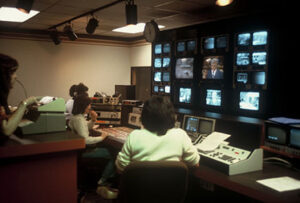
(93, 116)
(10, 125)
(81, 127)
(190, 154)
(124, 156)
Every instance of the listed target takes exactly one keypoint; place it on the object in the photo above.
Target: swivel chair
(154, 181)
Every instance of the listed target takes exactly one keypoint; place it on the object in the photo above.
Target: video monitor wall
(161, 68)
(251, 60)
(224, 73)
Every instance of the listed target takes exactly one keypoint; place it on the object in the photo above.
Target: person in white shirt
(159, 140)
(75, 90)
(80, 126)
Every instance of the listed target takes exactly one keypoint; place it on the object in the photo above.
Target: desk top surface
(41, 143)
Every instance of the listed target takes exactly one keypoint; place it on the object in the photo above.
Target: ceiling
(170, 13)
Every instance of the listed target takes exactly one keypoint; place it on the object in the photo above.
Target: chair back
(154, 182)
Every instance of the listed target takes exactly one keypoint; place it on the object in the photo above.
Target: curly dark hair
(72, 91)
(8, 66)
(81, 89)
(158, 115)
(80, 104)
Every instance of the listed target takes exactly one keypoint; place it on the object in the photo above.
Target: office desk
(246, 183)
(42, 170)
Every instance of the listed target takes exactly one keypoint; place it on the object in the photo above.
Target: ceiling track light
(131, 12)
(92, 25)
(55, 36)
(70, 33)
(24, 5)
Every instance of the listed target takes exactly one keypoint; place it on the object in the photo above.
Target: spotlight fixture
(54, 36)
(24, 5)
(131, 12)
(92, 25)
(69, 32)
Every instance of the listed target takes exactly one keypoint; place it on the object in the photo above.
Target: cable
(24, 90)
(278, 161)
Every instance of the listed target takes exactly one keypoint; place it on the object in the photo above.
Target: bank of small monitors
(251, 60)
(214, 44)
(161, 68)
(186, 47)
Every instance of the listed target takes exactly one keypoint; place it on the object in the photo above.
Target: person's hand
(29, 101)
(104, 135)
(93, 115)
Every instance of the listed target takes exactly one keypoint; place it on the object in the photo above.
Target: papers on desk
(281, 184)
(212, 141)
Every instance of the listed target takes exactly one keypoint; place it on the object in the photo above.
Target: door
(141, 78)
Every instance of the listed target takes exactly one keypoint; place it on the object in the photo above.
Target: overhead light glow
(11, 14)
(132, 29)
(223, 2)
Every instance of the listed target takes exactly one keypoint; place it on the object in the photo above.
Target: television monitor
(166, 62)
(242, 77)
(282, 138)
(166, 77)
(259, 78)
(185, 95)
(209, 43)
(180, 46)
(191, 45)
(259, 58)
(166, 48)
(161, 89)
(295, 137)
(195, 126)
(157, 49)
(213, 97)
(276, 133)
(157, 63)
(206, 125)
(259, 38)
(157, 76)
(184, 68)
(221, 42)
(243, 39)
(242, 59)
(167, 89)
(191, 124)
(249, 100)
(213, 67)
(155, 88)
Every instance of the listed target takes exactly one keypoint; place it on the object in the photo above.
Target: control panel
(227, 154)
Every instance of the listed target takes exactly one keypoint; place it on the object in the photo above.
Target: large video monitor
(213, 67)
(259, 38)
(185, 95)
(249, 100)
(184, 68)
(214, 97)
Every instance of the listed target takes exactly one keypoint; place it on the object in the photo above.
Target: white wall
(47, 69)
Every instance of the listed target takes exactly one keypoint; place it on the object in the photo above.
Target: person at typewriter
(82, 127)
(159, 140)
(9, 121)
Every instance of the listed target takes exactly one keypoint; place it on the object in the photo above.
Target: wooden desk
(44, 170)
(246, 183)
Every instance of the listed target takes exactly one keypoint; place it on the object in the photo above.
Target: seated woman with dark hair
(9, 121)
(159, 140)
(80, 126)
